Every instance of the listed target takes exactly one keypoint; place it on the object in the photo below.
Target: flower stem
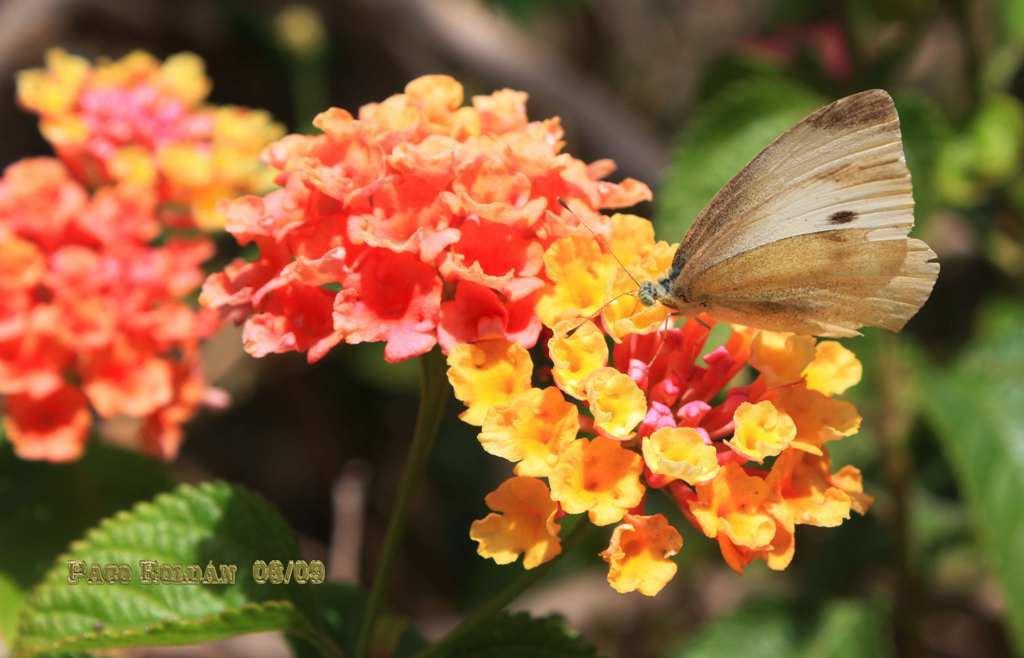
(434, 394)
(490, 608)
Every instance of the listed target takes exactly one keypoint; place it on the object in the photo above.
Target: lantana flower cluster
(142, 121)
(419, 221)
(97, 310)
(627, 403)
(92, 316)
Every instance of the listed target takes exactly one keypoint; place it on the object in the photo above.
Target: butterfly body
(811, 236)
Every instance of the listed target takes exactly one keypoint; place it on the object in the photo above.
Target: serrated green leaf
(46, 506)
(769, 629)
(518, 635)
(976, 408)
(209, 524)
(723, 136)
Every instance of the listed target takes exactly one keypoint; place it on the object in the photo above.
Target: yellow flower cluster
(142, 121)
(633, 403)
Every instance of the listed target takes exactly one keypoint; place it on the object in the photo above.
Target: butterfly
(811, 236)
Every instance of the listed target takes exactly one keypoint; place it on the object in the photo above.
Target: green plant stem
(490, 608)
(434, 394)
(898, 411)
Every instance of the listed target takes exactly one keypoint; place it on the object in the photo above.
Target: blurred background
(681, 95)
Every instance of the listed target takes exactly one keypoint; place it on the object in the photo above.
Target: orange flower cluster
(419, 221)
(91, 315)
(141, 121)
(662, 410)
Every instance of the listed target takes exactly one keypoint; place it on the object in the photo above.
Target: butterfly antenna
(601, 240)
(598, 311)
(661, 341)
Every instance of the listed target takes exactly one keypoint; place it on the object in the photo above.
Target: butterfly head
(652, 292)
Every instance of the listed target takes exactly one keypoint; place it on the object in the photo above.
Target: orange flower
(599, 477)
(733, 504)
(639, 554)
(761, 431)
(781, 357)
(488, 374)
(522, 523)
(818, 419)
(54, 427)
(805, 490)
(532, 429)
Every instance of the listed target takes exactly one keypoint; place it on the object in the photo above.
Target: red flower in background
(420, 221)
(91, 315)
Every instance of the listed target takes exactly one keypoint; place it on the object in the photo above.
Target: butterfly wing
(811, 236)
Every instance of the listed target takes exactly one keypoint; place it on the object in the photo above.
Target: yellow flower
(185, 164)
(133, 165)
(522, 523)
(632, 241)
(833, 370)
(818, 419)
(680, 453)
(531, 429)
(300, 29)
(761, 431)
(582, 276)
(130, 68)
(184, 75)
(616, 402)
(781, 357)
(639, 554)
(575, 357)
(599, 477)
(487, 374)
(626, 315)
(53, 90)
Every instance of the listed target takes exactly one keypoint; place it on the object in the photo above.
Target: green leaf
(209, 524)
(976, 408)
(517, 635)
(723, 136)
(46, 506)
(11, 598)
(770, 629)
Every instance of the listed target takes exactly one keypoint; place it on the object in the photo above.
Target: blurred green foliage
(773, 629)
(977, 409)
